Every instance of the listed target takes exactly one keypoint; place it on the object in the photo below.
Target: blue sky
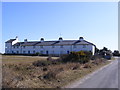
(97, 22)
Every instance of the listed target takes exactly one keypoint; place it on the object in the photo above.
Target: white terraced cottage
(57, 47)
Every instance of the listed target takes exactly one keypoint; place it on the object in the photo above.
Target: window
(68, 52)
(28, 52)
(17, 46)
(53, 46)
(33, 46)
(52, 52)
(84, 46)
(7, 51)
(24, 52)
(46, 52)
(61, 52)
(13, 46)
(74, 46)
(23, 46)
(41, 52)
(17, 52)
(41, 46)
(34, 51)
(12, 51)
(61, 46)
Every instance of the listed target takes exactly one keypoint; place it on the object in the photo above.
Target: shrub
(50, 75)
(81, 56)
(49, 58)
(87, 65)
(37, 53)
(75, 67)
(41, 63)
(45, 69)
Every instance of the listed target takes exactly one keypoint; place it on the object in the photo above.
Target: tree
(96, 50)
(116, 53)
(105, 49)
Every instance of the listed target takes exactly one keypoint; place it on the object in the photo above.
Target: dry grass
(26, 75)
(22, 59)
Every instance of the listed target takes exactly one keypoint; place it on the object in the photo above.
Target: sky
(97, 22)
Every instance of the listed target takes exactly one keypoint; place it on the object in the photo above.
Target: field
(7, 59)
(19, 72)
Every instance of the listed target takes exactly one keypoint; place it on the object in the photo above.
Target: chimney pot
(60, 38)
(42, 39)
(81, 38)
(25, 40)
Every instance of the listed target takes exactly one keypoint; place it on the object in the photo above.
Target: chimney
(16, 38)
(25, 40)
(60, 39)
(81, 38)
(42, 39)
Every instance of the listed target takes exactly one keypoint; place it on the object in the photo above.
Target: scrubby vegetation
(103, 53)
(49, 73)
(116, 53)
(45, 63)
(81, 57)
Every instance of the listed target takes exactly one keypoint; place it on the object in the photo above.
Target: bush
(75, 67)
(52, 74)
(81, 56)
(37, 53)
(41, 63)
(45, 69)
(87, 65)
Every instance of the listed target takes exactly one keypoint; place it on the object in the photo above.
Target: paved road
(106, 77)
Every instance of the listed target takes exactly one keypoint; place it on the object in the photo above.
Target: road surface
(105, 77)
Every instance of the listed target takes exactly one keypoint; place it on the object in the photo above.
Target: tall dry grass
(27, 75)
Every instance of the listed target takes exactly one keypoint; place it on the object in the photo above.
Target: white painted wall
(8, 46)
(50, 50)
(47, 49)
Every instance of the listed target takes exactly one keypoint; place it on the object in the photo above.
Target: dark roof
(82, 42)
(9, 41)
(66, 42)
(47, 43)
(18, 44)
(90, 43)
(26, 43)
(77, 41)
(30, 43)
(55, 42)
